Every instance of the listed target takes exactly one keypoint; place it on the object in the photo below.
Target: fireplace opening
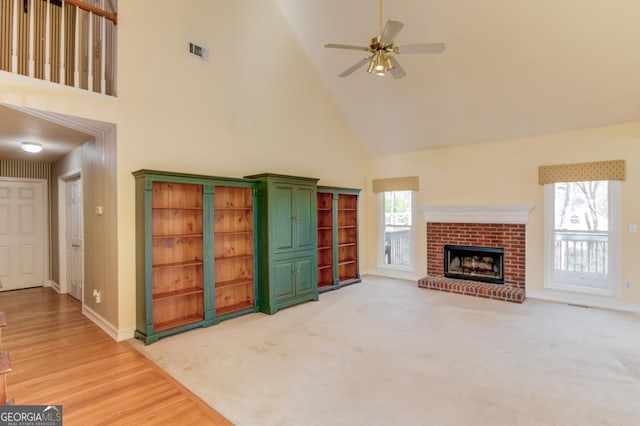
(484, 264)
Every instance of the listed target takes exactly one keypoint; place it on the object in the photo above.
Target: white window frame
(381, 227)
(613, 243)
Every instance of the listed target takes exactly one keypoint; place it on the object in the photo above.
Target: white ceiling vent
(199, 51)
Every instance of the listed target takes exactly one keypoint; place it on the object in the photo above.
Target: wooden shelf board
(347, 226)
(177, 236)
(346, 210)
(346, 262)
(324, 247)
(243, 256)
(233, 283)
(324, 228)
(233, 308)
(232, 208)
(166, 325)
(177, 293)
(177, 208)
(324, 266)
(346, 244)
(233, 233)
(347, 278)
(322, 209)
(178, 264)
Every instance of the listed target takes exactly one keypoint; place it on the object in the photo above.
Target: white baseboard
(393, 273)
(54, 285)
(582, 299)
(106, 326)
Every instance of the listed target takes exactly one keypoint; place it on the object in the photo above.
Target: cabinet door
(283, 283)
(305, 227)
(283, 234)
(304, 273)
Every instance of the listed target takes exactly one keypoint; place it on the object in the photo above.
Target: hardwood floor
(59, 357)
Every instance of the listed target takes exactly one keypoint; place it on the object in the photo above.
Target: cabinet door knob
(295, 217)
(294, 272)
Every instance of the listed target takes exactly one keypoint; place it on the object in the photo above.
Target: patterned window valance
(408, 183)
(579, 172)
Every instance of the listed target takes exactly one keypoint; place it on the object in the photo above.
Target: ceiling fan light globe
(371, 69)
(388, 63)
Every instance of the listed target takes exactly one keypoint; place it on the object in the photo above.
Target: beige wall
(257, 105)
(99, 189)
(507, 173)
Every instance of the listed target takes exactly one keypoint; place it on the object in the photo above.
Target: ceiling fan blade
(346, 46)
(350, 71)
(391, 30)
(421, 48)
(396, 71)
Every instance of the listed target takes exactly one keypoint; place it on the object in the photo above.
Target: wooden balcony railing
(70, 42)
(397, 246)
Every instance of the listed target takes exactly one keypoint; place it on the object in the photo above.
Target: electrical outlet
(97, 295)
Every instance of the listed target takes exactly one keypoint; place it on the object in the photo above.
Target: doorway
(23, 231)
(71, 235)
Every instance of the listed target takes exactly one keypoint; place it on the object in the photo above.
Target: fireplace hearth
(499, 272)
(485, 264)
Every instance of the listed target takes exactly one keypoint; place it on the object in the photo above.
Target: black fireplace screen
(484, 264)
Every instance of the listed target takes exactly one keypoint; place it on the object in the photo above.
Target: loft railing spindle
(31, 54)
(103, 51)
(14, 39)
(47, 42)
(76, 71)
(63, 29)
(90, 54)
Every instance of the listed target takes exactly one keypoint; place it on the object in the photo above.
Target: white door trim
(62, 229)
(46, 273)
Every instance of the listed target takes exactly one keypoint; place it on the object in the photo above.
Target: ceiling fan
(381, 48)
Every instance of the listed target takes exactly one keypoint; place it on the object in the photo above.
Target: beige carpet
(385, 352)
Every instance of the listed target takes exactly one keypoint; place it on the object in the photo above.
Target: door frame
(46, 273)
(62, 231)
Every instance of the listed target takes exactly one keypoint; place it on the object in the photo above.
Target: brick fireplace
(494, 227)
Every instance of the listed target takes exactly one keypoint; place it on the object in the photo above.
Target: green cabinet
(195, 250)
(337, 236)
(288, 240)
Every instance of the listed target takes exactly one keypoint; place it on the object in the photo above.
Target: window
(581, 221)
(397, 249)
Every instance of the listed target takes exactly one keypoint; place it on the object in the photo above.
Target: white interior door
(73, 230)
(22, 233)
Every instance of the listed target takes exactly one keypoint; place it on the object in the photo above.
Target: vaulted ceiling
(511, 68)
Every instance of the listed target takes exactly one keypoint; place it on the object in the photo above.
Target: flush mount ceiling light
(31, 147)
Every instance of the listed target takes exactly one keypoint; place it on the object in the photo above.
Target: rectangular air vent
(199, 51)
